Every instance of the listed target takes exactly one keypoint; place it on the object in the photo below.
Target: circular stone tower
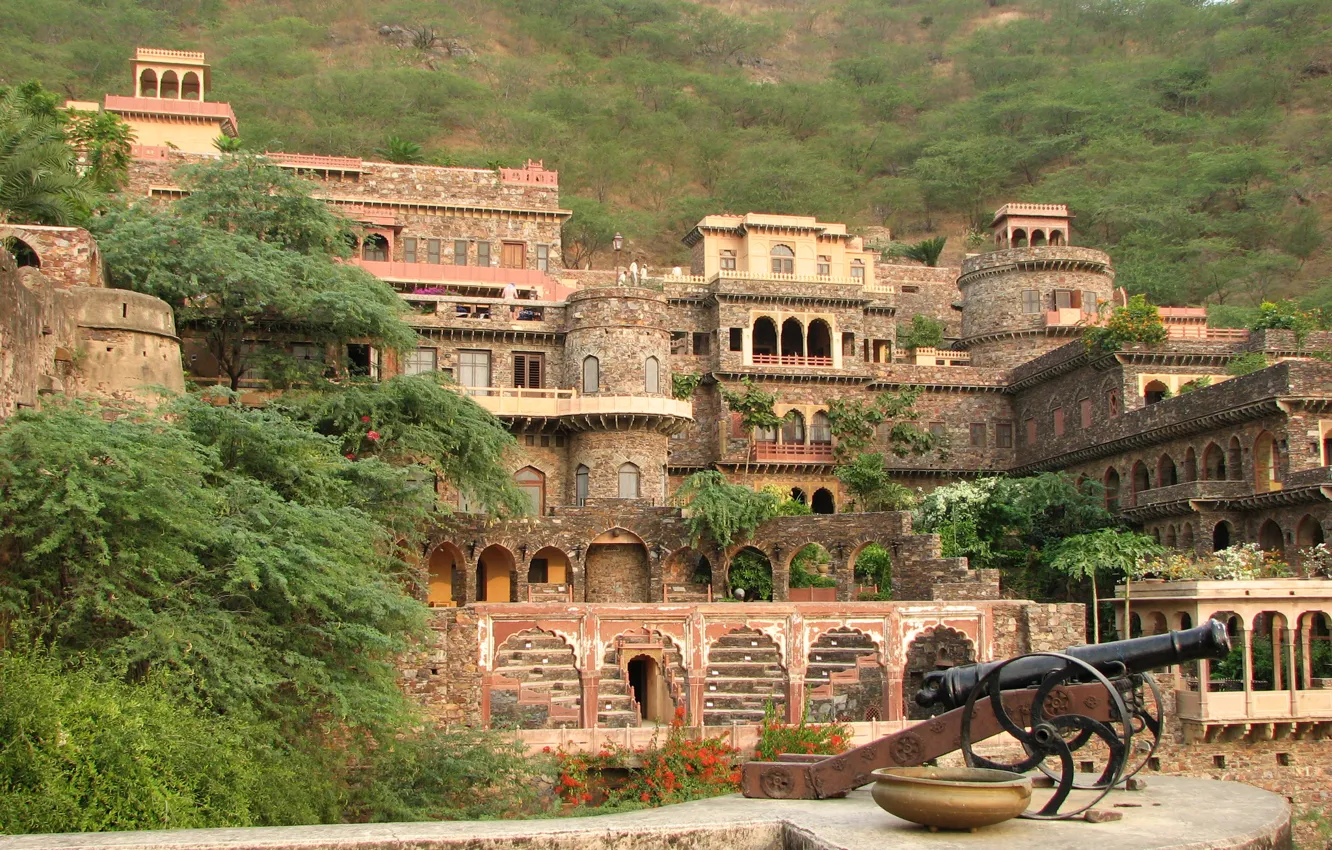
(617, 355)
(1035, 293)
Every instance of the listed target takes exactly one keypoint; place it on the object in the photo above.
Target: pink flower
(365, 418)
(372, 436)
(350, 456)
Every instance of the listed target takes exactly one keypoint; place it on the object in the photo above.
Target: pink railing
(427, 273)
(533, 174)
(316, 161)
(1191, 331)
(793, 452)
(170, 106)
(790, 360)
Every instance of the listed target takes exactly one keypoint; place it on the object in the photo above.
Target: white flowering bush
(1317, 560)
(1237, 563)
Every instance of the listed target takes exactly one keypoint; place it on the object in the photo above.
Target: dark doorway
(648, 687)
(823, 502)
(361, 361)
(1221, 536)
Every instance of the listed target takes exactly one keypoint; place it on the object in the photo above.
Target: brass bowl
(951, 797)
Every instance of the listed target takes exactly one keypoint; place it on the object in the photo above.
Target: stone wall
(67, 256)
(23, 359)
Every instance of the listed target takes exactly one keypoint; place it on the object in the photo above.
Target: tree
(924, 332)
(586, 233)
(871, 487)
(723, 512)
(246, 252)
(103, 140)
(40, 182)
(854, 424)
(926, 251)
(755, 406)
(402, 151)
(1106, 552)
(1136, 322)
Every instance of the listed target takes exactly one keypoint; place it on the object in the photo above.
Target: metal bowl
(951, 797)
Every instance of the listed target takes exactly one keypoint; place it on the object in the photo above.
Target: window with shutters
(1031, 431)
(409, 250)
(1031, 301)
(824, 267)
(420, 361)
(820, 428)
(483, 253)
(543, 258)
(978, 435)
(513, 255)
(858, 271)
(460, 252)
(783, 259)
(432, 251)
(474, 368)
(702, 343)
(1003, 435)
(651, 376)
(1067, 299)
(1059, 421)
(629, 481)
(728, 260)
(529, 370)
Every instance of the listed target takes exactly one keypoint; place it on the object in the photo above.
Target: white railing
(734, 274)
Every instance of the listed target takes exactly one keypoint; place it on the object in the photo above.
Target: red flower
(365, 418)
(645, 796)
(372, 436)
(350, 456)
(587, 798)
(545, 749)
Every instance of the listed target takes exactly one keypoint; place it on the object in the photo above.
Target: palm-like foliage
(40, 182)
(926, 251)
(401, 150)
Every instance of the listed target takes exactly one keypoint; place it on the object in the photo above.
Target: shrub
(1135, 322)
(1247, 364)
(777, 737)
(923, 332)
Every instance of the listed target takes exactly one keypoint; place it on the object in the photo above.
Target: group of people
(636, 274)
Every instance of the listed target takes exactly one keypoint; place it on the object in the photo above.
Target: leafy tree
(1287, 316)
(1106, 552)
(926, 251)
(104, 141)
(1136, 322)
(1246, 364)
(751, 572)
(40, 181)
(228, 144)
(924, 332)
(402, 151)
(586, 233)
(854, 424)
(871, 487)
(723, 512)
(875, 564)
(755, 406)
(246, 251)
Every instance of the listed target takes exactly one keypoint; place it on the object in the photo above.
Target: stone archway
(535, 683)
(617, 568)
(495, 575)
(936, 648)
(844, 679)
(745, 675)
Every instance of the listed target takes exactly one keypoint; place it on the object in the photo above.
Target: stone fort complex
(597, 611)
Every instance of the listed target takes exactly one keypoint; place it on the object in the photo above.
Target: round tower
(1035, 292)
(617, 356)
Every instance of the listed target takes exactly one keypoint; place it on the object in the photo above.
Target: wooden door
(513, 255)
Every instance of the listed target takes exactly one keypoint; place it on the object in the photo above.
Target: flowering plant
(777, 737)
(1237, 563)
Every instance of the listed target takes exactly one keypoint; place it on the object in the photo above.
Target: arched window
(798, 495)
(532, 484)
(1264, 463)
(189, 86)
(1019, 238)
(793, 338)
(1170, 540)
(1142, 479)
(1112, 403)
(765, 434)
(1270, 539)
(1111, 482)
(1056, 237)
(1214, 463)
(820, 429)
(1234, 460)
(375, 248)
(793, 428)
(1037, 238)
(148, 83)
(1154, 391)
(823, 502)
(820, 339)
(764, 336)
(1221, 536)
(1308, 532)
(24, 255)
(1186, 537)
(170, 85)
(1190, 470)
(591, 375)
(651, 378)
(1166, 474)
(783, 259)
(628, 481)
(580, 484)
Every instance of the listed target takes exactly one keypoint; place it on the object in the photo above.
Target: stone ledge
(1172, 812)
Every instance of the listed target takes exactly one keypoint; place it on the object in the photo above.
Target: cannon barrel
(950, 688)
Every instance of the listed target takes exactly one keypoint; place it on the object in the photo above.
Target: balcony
(538, 283)
(1194, 490)
(553, 402)
(791, 452)
(1067, 317)
(791, 360)
(1255, 706)
(932, 357)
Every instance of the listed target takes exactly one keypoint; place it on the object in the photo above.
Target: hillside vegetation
(1191, 139)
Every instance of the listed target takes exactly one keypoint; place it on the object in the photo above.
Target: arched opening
(617, 567)
(798, 495)
(581, 480)
(548, 566)
(1234, 460)
(872, 567)
(1166, 473)
(629, 481)
(1056, 237)
(148, 83)
(494, 575)
(938, 648)
(532, 484)
(444, 585)
(648, 686)
(1267, 646)
(24, 255)
(820, 339)
(1112, 403)
(810, 575)
(1111, 484)
(1308, 532)
(591, 375)
(793, 428)
(189, 86)
(375, 248)
(1141, 481)
(651, 376)
(1214, 463)
(820, 429)
(538, 686)
(1227, 674)
(793, 338)
(686, 571)
(1135, 625)
(823, 502)
(1264, 463)
(1154, 392)
(1270, 538)
(1186, 537)
(765, 336)
(783, 259)
(1222, 536)
(1019, 239)
(1157, 623)
(1170, 538)
(749, 576)
(1037, 238)
(170, 86)
(1313, 648)
(1190, 471)
(844, 679)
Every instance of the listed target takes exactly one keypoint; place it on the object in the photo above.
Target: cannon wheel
(1142, 696)
(1044, 732)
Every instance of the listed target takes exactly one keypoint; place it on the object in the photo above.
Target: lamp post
(617, 243)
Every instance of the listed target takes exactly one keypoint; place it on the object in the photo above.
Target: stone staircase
(744, 675)
(616, 706)
(535, 684)
(843, 677)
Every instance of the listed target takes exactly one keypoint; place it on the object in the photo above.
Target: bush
(1135, 322)
(923, 332)
(1247, 364)
(86, 753)
(777, 737)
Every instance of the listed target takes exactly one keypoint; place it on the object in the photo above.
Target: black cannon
(949, 689)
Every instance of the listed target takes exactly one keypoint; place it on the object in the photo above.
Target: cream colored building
(778, 247)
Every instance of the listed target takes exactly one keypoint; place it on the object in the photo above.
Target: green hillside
(1192, 139)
